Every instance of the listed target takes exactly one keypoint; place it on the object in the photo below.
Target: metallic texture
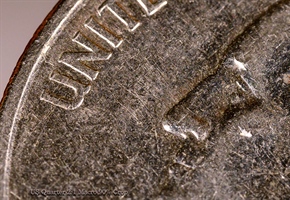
(151, 99)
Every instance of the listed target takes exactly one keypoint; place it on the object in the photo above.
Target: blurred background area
(19, 19)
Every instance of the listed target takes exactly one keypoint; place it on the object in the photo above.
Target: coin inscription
(71, 80)
(213, 72)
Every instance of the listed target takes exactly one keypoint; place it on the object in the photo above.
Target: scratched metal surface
(153, 99)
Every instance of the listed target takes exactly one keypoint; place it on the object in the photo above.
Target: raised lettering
(120, 13)
(74, 96)
(104, 32)
(150, 7)
(71, 81)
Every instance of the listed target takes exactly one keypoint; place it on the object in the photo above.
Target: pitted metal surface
(145, 99)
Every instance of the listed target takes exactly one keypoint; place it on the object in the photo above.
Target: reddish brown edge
(18, 65)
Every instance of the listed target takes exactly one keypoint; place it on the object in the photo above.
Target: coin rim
(18, 66)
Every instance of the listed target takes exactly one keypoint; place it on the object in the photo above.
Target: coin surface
(151, 99)
(15, 16)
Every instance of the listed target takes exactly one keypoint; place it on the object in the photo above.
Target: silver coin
(151, 99)
(18, 24)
